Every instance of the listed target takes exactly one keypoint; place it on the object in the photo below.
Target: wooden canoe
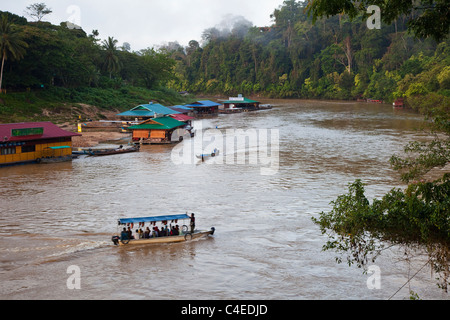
(107, 152)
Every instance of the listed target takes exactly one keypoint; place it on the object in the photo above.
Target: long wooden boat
(168, 220)
(107, 152)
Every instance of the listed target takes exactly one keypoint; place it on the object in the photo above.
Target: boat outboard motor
(115, 240)
(213, 230)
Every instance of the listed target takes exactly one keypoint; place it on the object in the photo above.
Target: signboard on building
(27, 132)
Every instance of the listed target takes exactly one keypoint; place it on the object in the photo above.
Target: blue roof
(203, 103)
(148, 110)
(137, 113)
(181, 107)
(154, 219)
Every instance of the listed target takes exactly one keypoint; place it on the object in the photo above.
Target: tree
(112, 62)
(156, 67)
(427, 18)
(415, 218)
(38, 11)
(11, 44)
(418, 217)
(425, 156)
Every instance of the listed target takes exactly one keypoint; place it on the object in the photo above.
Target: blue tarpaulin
(154, 219)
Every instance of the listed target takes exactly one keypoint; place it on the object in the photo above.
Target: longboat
(205, 156)
(107, 152)
(184, 235)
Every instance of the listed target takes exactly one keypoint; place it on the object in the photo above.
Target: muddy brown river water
(259, 194)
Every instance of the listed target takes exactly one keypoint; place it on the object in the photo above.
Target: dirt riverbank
(91, 139)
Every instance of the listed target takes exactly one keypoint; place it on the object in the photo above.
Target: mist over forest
(331, 58)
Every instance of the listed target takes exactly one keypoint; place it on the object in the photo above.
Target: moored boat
(107, 152)
(165, 235)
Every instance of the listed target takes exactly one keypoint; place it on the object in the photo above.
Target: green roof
(244, 100)
(165, 123)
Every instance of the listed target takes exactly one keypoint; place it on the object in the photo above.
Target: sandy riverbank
(91, 139)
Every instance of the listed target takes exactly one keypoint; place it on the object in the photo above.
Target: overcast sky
(148, 23)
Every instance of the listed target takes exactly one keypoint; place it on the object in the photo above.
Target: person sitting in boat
(174, 231)
(130, 234)
(155, 232)
(124, 235)
(147, 233)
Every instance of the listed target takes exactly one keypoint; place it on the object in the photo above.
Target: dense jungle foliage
(333, 58)
(65, 56)
(48, 70)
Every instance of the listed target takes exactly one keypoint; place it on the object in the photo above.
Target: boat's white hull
(208, 155)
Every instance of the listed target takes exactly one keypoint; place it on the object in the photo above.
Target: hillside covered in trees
(65, 56)
(49, 69)
(333, 58)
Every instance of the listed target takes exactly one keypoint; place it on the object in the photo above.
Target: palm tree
(112, 62)
(11, 44)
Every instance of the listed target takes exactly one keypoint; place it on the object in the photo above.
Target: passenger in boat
(192, 223)
(174, 232)
(139, 234)
(130, 234)
(155, 232)
(147, 233)
(124, 235)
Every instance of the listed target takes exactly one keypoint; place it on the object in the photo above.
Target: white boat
(168, 221)
(205, 156)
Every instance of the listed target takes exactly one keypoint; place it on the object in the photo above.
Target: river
(259, 197)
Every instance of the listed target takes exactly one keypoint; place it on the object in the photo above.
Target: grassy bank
(67, 105)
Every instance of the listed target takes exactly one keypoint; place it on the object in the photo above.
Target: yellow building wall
(39, 153)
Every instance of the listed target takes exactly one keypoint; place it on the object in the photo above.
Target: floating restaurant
(34, 142)
(241, 103)
(147, 111)
(204, 108)
(182, 109)
(162, 130)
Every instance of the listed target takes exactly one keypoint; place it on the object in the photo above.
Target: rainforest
(332, 58)
(296, 57)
